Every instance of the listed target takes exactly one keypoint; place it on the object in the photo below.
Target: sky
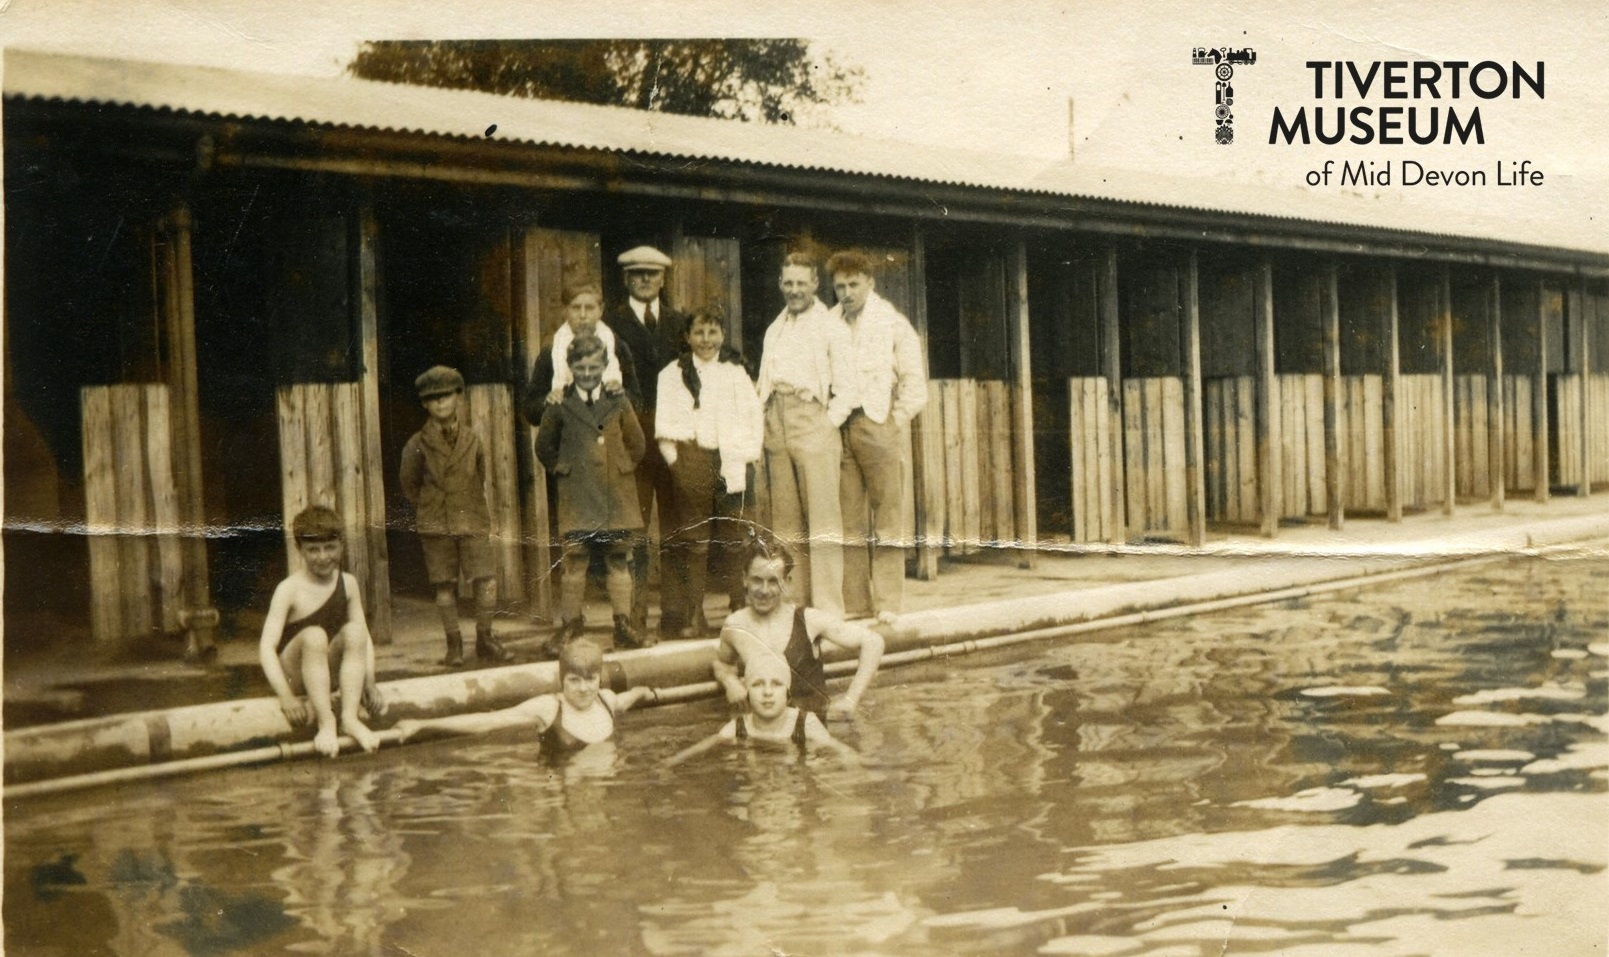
(999, 77)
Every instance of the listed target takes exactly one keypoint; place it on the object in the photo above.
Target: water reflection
(1416, 769)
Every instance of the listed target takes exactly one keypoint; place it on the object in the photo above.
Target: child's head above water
(581, 657)
(767, 677)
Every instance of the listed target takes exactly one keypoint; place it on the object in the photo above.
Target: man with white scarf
(889, 389)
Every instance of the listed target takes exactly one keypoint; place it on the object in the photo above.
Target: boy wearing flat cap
(654, 335)
(444, 476)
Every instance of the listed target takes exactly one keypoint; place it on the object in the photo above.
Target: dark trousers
(654, 483)
(705, 536)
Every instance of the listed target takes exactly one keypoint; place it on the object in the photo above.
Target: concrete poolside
(48, 688)
(97, 717)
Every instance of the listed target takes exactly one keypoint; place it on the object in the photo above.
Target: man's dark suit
(653, 351)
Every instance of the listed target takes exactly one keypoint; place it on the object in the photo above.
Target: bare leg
(315, 644)
(351, 648)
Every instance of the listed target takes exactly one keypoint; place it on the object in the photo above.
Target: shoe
(700, 628)
(488, 648)
(627, 636)
(567, 632)
(455, 651)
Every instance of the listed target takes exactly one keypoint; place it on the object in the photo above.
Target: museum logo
(1223, 61)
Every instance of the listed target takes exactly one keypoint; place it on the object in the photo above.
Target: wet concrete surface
(63, 684)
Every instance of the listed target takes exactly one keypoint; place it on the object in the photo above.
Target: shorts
(446, 556)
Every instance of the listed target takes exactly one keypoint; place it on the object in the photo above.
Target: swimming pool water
(1414, 769)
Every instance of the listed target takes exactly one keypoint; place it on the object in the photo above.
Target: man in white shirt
(805, 378)
(890, 389)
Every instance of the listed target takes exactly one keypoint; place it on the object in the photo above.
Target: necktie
(649, 319)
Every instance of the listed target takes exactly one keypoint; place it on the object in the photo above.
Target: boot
(699, 627)
(627, 636)
(455, 650)
(567, 632)
(487, 647)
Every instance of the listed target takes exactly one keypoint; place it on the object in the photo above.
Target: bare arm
(536, 712)
(268, 654)
(631, 698)
(816, 733)
(850, 637)
(727, 733)
(726, 664)
(372, 699)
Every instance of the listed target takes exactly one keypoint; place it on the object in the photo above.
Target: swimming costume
(797, 735)
(556, 742)
(331, 616)
(808, 689)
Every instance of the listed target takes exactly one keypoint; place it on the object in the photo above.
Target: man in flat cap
(653, 334)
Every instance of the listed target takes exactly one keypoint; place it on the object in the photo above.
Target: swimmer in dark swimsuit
(769, 624)
(770, 718)
(581, 714)
(315, 637)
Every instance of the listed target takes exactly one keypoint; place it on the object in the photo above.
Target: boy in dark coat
(444, 476)
(591, 442)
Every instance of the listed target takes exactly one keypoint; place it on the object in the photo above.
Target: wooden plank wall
(1566, 421)
(1096, 518)
(709, 271)
(1598, 440)
(1231, 442)
(971, 422)
(1301, 416)
(1153, 457)
(1519, 445)
(322, 462)
(1472, 436)
(131, 511)
(1420, 444)
(552, 258)
(491, 412)
(1362, 429)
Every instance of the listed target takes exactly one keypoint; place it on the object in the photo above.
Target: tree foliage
(742, 79)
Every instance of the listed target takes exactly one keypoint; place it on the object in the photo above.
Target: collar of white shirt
(638, 307)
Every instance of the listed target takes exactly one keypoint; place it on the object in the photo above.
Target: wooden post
(1112, 370)
(1579, 325)
(374, 481)
(1194, 452)
(1541, 457)
(197, 617)
(1389, 410)
(1024, 490)
(927, 431)
(1334, 466)
(537, 529)
(1268, 432)
(1497, 441)
(1444, 340)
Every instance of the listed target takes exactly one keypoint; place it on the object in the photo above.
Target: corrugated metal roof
(361, 104)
